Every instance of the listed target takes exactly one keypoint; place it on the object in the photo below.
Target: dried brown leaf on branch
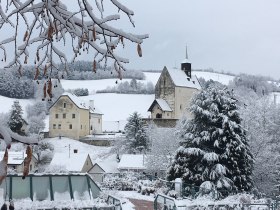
(94, 66)
(49, 89)
(27, 161)
(37, 72)
(139, 50)
(25, 36)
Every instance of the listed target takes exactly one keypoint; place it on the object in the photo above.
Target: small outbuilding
(134, 163)
(16, 159)
(73, 162)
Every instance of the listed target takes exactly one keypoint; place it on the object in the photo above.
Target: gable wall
(81, 118)
(95, 123)
(87, 165)
(165, 89)
(157, 110)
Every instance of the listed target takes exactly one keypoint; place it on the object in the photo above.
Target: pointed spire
(187, 57)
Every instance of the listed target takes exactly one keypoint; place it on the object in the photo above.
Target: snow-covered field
(115, 107)
(222, 78)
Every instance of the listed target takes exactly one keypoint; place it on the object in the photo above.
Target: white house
(73, 162)
(16, 159)
(100, 168)
(71, 117)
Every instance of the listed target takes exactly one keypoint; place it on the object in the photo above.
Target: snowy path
(142, 204)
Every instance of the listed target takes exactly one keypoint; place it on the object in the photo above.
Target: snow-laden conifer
(214, 146)
(16, 120)
(136, 134)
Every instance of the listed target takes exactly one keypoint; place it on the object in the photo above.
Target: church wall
(183, 98)
(165, 89)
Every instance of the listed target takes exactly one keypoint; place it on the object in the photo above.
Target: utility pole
(69, 150)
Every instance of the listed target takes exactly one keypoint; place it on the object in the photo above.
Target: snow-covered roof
(14, 158)
(109, 164)
(132, 162)
(73, 162)
(162, 104)
(79, 103)
(95, 110)
(180, 78)
(186, 61)
(82, 104)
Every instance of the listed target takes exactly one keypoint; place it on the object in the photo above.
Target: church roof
(186, 60)
(162, 104)
(180, 78)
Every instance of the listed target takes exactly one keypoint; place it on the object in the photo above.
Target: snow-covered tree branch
(44, 26)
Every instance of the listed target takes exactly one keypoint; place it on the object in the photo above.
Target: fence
(114, 201)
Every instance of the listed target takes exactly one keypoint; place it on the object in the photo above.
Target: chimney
(186, 65)
(91, 104)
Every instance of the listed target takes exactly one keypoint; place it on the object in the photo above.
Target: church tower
(186, 65)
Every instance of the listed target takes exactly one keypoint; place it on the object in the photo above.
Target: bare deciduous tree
(43, 26)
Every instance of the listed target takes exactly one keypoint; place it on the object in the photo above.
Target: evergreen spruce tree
(136, 134)
(214, 147)
(16, 120)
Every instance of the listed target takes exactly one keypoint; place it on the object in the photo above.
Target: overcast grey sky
(233, 35)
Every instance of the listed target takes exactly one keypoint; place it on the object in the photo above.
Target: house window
(64, 116)
(64, 105)
(30, 167)
(91, 127)
(54, 126)
(99, 121)
(59, 126)
(167, 114)
(73, 116)
(81, 127)
(70, 126)
(56, 116)
(180, 106)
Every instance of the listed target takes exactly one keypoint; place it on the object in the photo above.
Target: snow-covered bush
(14, 87)
(122, 181)
(163, 144)
(36, 115)
(44, 152)
(80, 91)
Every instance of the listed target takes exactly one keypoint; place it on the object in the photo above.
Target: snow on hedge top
(180, 78)
(73, 162)
(131, 162)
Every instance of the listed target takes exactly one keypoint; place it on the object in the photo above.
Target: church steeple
(186, 65)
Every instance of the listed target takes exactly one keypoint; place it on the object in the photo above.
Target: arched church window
(158, 115)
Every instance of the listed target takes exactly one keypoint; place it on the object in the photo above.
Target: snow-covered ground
(222, 78)
(115, 107)
(64, 144)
